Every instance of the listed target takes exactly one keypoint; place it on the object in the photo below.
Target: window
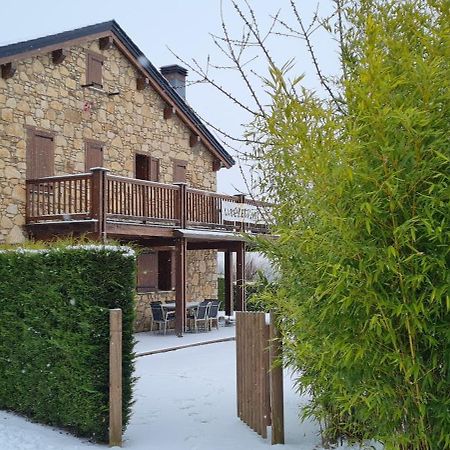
(146, 168)
(94, 69)
(155, 271)
(179, 171)
(147, 272)
(94, 154)
(40, 154)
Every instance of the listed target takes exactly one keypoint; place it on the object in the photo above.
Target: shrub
(363, 218)
(54, 334)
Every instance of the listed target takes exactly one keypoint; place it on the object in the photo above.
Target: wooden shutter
(40, 154)
(94, 69)
(154, 169)
(146, 168)
(94, 154)
(147, 271)
(179, 171)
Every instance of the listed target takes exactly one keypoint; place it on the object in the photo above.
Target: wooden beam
(48, 230)
(141, 83)
(98, 200)
(194, 139)
(240, 278)
(180, 287)
(105, 42)
(216, 165)
(228, 266)
(169, 111)
(8, 70)
(212, 245)
(136, 230)
(58, 56)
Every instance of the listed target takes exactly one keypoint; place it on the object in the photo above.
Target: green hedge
(54, 334)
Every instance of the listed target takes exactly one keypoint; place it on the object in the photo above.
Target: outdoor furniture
(200, 317)
(160, 316)
(213, 314)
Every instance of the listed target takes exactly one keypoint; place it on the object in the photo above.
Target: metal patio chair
(213, 314)
(160, 316)
(200, 317)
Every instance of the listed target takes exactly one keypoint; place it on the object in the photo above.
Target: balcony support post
(241, 199)
(182, 203)
(228, 266)
(98, 201)
(240, 277)
(180, 286)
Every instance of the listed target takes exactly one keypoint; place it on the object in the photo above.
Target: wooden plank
(266, 361)
(263, 342)
(238, 366)
(276, 384)
(115, 378)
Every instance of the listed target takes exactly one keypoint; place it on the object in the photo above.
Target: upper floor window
(94, 69)
(94, 154)
(146, 167)
(179, 171)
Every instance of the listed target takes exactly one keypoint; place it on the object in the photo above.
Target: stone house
(94, 140)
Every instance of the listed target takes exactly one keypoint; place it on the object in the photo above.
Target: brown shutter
(94, 154)
(40, 155)
(179, 171)
(154, 169)
(147, 271)
(94, 70)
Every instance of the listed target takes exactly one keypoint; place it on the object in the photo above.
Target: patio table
(171, 306)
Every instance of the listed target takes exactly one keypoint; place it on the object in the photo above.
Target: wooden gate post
(115, 377)
(276, 383)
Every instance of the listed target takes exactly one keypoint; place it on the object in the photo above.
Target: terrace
(105, 205)
(101, 205)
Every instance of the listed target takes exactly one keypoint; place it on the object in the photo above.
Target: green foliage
(259, 293)
(363, 218)
(54, 334)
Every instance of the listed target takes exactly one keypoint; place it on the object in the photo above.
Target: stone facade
(51, 98)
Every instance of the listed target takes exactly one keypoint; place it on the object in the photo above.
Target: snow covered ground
(185, 400)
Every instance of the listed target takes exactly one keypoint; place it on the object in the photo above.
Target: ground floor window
(155, 271)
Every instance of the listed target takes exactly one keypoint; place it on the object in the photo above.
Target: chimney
(176, 76)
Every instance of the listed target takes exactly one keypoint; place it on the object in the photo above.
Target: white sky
(183, 26)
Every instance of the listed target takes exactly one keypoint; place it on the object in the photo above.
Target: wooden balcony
(101, 204)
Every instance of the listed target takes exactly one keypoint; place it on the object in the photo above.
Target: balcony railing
(105, 197)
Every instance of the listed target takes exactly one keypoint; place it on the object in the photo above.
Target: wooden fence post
(276, 384)
(115, 377)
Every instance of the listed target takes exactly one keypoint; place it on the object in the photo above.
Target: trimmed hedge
(54, 334)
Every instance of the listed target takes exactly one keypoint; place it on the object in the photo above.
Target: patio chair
(200, 317)
(213, 314)
(160, 316)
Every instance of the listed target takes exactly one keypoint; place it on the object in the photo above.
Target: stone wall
(51, 98)
(201, 284)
